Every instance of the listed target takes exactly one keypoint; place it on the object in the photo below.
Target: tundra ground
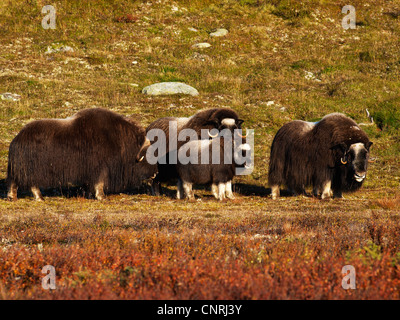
(280, 61)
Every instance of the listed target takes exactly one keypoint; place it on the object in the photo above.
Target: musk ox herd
(108, 153)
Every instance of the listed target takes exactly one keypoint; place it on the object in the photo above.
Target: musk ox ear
(368, 145)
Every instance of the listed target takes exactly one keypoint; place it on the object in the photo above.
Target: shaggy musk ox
(331, 155)
(95, 148)
(217, 118)
(222, 156)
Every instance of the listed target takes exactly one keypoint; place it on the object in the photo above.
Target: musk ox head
(218, 118)
(146, 169)
(355, 159)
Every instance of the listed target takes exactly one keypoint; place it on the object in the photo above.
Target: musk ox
(217, 118)
(331, 155)
(95, 148)
(211, 162)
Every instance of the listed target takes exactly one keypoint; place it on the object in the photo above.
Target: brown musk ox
(216, 118)
(331, 155)
(95, 148)
(214, 161)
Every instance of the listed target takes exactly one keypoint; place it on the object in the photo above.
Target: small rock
(57, 47)
(10, 96)
(201, 45)
(270, 103)
(219, 33)
(193, 29)
(310, 76)
(169, 88)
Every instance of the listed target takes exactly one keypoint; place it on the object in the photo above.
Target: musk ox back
(95, 148)
(331, 155)
(217, 118)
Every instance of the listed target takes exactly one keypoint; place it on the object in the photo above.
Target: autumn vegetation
(281, 60)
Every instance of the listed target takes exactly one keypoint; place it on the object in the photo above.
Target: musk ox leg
(99, 191)
(180, 194)
(228, 190)
(156, 188)
(37, 194)
(338, 194)
(12, 192)
(221, 191)
(214, 190)
(275, 192)
(187, 187)
(326, 190)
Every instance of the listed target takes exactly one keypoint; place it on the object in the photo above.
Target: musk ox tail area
(286, 153)
(93, 147)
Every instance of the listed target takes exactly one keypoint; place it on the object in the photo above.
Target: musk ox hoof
(12, 198)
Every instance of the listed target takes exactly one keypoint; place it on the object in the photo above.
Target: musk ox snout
(359, 154)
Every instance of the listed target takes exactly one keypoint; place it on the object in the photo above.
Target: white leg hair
(275, 192)
(99, 189)
(37, 194)
(221, 191)
(187, 187)
(228, 190)
(214, 190)
(326, 190)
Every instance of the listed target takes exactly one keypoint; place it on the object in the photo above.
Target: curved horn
(243, 136)
(141, 159)
(212, 136)
(372, 160)
(343, 161)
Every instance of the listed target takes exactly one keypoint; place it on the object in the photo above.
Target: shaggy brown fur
(219, 175)
(204, 119)
(305, 153)
(95, 147)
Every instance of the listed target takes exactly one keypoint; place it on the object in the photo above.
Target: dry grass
(143, 247)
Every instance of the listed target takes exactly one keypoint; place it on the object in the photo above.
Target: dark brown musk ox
(214, 162)
(331, 155)
(216, 118)
(95, 148)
